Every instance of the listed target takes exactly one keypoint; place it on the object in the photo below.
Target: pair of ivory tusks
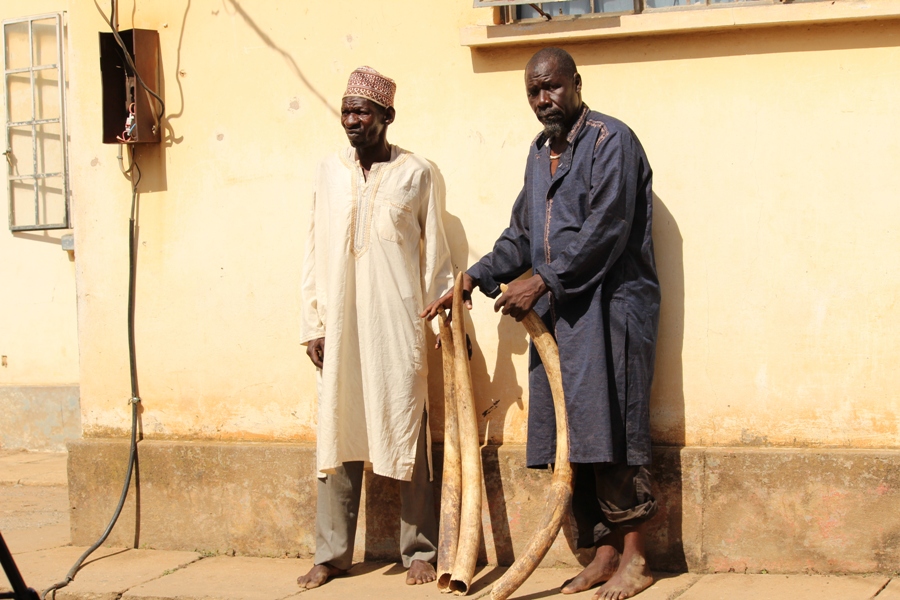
(561, 484)
(460, 530)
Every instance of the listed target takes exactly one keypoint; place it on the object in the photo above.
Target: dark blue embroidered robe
(586, 231)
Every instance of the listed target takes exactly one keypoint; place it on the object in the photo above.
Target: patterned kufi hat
(366, 82)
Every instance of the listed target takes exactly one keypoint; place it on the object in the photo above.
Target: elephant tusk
(560, 495)
(452, 477)
(470, 453)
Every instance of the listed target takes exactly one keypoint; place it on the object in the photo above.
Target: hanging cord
(134, 172)
(115, 30)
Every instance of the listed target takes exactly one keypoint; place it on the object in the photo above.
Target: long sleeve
(511, 255)
(435, 264)
(311, 323)
(598, 245)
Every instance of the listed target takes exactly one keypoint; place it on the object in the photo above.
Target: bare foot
(604, 565)
(631, 578)
(318, 575)
(420, 572)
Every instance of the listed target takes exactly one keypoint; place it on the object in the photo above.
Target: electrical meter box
(130, 113)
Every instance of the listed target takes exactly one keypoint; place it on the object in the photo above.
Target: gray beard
(554, 129)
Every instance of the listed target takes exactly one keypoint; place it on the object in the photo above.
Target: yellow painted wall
(38, 336)
(774, 152)
(37, 322)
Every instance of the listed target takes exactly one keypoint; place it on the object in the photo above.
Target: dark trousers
(337, 508)
(608, 496)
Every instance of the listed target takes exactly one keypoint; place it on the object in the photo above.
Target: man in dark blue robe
(582, 227)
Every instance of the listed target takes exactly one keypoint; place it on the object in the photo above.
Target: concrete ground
(34, 521)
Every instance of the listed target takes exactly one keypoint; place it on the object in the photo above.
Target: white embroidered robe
(376, 255)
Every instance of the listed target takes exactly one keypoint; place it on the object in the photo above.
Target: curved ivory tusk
(448, 537)
(470, 452)
(561, 485)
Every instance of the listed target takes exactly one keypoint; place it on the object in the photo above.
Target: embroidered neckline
(363, 192)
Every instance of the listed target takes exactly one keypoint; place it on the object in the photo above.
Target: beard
(554, 123)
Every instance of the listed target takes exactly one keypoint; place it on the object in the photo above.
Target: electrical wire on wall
(133, 172)
(113, 25)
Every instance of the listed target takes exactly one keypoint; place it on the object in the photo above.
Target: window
(513, 24)
(521, 10)
(35, 99)
(575, 7)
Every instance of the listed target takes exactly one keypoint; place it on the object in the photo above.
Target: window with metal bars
(522, 10)
(35, 98)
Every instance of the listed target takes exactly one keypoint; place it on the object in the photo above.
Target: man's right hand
(315, 350)
(446, 301)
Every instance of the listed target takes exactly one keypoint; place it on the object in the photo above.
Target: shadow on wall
(667, 395)
(287, 57)
(493, 396)
(665, 544)
(780, 40)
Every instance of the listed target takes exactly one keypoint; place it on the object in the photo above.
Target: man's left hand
(520, 297)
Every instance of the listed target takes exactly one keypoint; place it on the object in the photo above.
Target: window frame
(507, 9)
(731, 16)
(36, 176)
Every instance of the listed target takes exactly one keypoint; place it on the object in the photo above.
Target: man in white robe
(376, 255)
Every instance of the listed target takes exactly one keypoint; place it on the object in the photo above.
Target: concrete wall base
(721, 509)
(39, 417)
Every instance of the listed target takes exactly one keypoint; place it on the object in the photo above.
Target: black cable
(135, 399)
(134, 171)
(132, 454)
(128, 59)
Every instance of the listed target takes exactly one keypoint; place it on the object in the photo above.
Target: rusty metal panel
(122, 93)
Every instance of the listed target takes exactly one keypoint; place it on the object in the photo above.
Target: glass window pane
(18, 92)
(668, 3)
(51, 201)
(46, 90)
(22, 202)
(36, 152)
(22, 157)
(575, 7)
(17, 51)
(45, 47)
(611, 6)
(526, 12)
(554, 9)
(49, 148)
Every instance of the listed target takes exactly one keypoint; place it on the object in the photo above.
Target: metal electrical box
(130, 113)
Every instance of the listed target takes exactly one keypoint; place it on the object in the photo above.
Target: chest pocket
(395, 219)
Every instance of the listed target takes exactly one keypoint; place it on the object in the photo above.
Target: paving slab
(43, 568)
(228, 578)
(668, 586)
(378, 580)
(105, 575)
(33, 468)
(732, 586)
(545, 583)
(41, 538)
(891, 592)
(30, 507)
